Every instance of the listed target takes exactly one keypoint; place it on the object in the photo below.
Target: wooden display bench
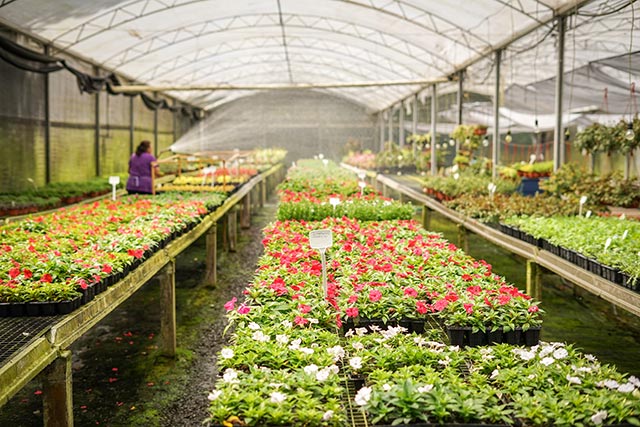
(49, 352)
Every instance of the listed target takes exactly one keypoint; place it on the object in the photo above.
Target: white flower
(425, 389)
(282, 339)
(454, 348)
(573, 380)
(361, 331)
(311, 369)
(494, 374)
(349, 333)
(337, 352)
(419, 341)
(295, 344)
(277, 397)
(611, 384)
(545, 350)
(260, 336)
(560, 353)
(526, 355)
(363, 396)
(626, 388)
(445, 361)
(435, 344)
(590, 357)
(357, 346)
(334, 369)
(327, 415)
(226, 353)
(374, 328)
(306, 350)
(547, 361)
(230, 376)
(635, 381)
(254, 326)
(386, 387)
(599, 417)
(531, 376)
(287, 323)
(214, 395)
(313, 321)
(323, 374)
(356, 362)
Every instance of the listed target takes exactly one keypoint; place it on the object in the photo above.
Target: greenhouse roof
(245, 43)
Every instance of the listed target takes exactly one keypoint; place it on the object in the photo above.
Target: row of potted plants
(51, 196)
(607, 246)
(69, 255)
(466, 182)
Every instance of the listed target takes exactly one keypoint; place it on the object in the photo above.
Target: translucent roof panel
(243, 42)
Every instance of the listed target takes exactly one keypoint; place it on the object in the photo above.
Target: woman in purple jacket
(139, 181)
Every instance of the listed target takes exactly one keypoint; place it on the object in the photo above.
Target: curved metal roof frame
(412, 39)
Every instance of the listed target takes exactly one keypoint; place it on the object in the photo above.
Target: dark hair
(143, 147)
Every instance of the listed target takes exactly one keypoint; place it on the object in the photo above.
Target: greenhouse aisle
(119, 377)
(580, 318)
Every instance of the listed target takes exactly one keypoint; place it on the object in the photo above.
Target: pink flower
(410, 292)
(230, 305)
(421, 307)
(244, 309)
(375, 295)
(82, 283)
(106, 268)
(300, 321)
(504, 299)
(440, 304)
(451, 297)
(352, 312)
(474, 290)
(468, 308)
(533, 309)
(352, 299)
(304, 308)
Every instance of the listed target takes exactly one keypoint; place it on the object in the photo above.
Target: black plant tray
(463, 337)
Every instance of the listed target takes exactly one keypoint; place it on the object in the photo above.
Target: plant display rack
(49, 345)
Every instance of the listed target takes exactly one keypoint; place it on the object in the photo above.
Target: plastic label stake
(114, 181)
(362, 185)
(321, 240)
(583, 200)
(334, 201)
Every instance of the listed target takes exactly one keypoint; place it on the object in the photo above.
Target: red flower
(467, 277)
(14, 272)
(352, 312)
(352, 299)
(136, 253)
(27, 273)
(468, 308)
(46, 278)
(451, 297)
(304, 308)
(474, 290)
(106, 268)
(504, 299)
(533, 309)
(230, 305)
(300, 321)
(410, 292)
(421, 307)
(81, 282)
(375, 295)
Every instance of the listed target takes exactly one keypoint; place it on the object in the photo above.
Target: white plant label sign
(321, 240)
(114, 181)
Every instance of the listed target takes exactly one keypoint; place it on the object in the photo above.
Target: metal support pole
(414, 115)
(47, 125)
(382, 131)
(460, 100)
(131, 126)
(57, 392)
(96, 140)
(155, 130)
(463, 238)
(426, 217)
(534, 280)
(168, 309)
(434, 119)
(401, 137)
(496, 118)
(390, 138)
(558, 136)
(211, 276)
(174, 117)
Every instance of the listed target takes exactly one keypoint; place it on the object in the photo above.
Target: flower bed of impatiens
(607, 246)
(296, 351)
(315, 190)
(68, 255)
